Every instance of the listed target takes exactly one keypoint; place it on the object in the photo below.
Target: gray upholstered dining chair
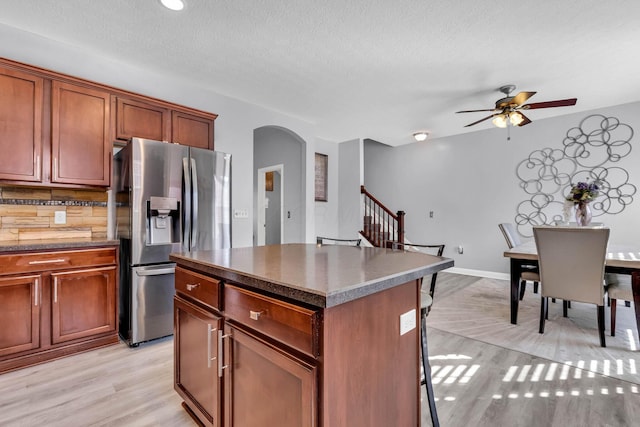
(618, 287)
(333, 241)
(530, 273)
(571, 262)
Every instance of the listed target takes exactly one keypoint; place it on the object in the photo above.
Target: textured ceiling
(379, 69)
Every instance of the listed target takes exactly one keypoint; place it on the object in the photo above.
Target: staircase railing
(381, 226)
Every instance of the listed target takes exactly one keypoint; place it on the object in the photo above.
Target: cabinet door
(20, 300)
(192, 130)
(21, 105)
(266, 386)
(142, 120)
(80, 138)
(83, 303)
(196, 370)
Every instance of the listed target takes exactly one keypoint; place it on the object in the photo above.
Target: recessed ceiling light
(173, 4)
(420, 136)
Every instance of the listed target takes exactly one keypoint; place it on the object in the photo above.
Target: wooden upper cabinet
(192, 130)
(21, 109)
(81, 147)
(141, 119)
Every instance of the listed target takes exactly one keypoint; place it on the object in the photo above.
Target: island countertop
(323, 276)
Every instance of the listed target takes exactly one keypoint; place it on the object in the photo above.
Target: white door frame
(261, 217)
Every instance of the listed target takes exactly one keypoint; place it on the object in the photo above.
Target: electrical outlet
(407, 321)
(430, 214)
(60, 217)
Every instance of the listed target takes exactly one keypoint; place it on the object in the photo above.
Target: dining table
(621, 259)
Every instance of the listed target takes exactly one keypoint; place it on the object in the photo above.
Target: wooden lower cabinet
(196, 370)
(83, 303)
(20, 300)
(56, 303)
(289, 364)
(264, 385)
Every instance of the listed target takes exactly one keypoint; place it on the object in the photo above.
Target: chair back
(571, 261)
(331, 241)
(510, 234)
(437, 250)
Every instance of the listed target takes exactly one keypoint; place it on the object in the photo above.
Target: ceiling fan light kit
(508, 110)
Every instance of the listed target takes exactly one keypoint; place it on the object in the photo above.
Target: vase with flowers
(581, 195)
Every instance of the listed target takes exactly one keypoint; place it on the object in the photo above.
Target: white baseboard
(479, 273)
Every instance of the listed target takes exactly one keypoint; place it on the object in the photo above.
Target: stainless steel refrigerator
(169, 198)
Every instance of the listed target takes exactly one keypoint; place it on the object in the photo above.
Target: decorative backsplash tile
(29, 213)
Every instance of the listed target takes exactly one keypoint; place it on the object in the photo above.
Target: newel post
(400, 226)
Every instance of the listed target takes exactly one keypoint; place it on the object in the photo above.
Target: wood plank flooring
(476, 384)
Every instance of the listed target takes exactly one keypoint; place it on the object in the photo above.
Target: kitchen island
(300, 335)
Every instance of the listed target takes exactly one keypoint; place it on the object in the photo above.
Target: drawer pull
(192, 286)
(47, 261)
(255, 315)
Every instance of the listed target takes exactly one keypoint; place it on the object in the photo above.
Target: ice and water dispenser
(163, 220)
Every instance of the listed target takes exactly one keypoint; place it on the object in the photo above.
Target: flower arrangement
(583, 192)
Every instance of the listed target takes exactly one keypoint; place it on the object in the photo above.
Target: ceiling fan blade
(481, 120)
(521, 98)
(477, 111)
(548, 104)
(525, 120)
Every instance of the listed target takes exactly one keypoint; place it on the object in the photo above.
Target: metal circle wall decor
(587, 153)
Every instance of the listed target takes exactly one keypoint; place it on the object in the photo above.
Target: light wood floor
(476, 384)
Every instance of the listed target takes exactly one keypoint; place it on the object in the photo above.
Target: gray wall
(350, 177)
(274, 146)
(469, 182)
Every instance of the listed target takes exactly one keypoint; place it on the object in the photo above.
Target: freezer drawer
(152, 290)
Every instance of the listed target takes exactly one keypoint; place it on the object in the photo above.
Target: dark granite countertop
(323, 276)
(53, 244)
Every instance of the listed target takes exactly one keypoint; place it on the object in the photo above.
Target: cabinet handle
(255, 315)
(55, 290)
(35, 297)
(192, 286)
(210, 329)
(47, 261)
(220, 353)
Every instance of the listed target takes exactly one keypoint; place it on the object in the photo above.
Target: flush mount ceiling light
(173, 4)
(420, 136)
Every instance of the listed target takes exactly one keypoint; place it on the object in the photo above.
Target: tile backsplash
(29, 213)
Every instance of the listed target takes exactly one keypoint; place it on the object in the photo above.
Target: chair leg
(427, 369)
(601, 325)
(523, 287)
(535, 287)
(613, 316)
(565, 308)
(543, 310)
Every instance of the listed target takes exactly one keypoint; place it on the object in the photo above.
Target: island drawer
(21, 263)
(198, 287)
(288, 323)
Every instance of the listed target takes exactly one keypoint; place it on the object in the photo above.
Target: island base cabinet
(196, 368)
(265, 385)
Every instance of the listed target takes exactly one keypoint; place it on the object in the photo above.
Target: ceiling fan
(509, 109)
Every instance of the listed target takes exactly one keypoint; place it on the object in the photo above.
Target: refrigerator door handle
(194, 186)
(186, 202)
(156, 272)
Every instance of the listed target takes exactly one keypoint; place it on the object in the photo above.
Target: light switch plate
(60, 217)
(407, 321)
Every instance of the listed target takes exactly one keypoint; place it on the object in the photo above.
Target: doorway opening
(270, 205)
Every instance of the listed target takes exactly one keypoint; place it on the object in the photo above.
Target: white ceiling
(379, 69)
